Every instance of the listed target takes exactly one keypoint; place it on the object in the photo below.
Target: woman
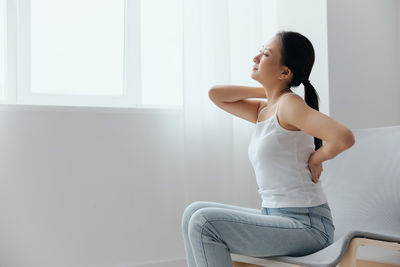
(286, 153)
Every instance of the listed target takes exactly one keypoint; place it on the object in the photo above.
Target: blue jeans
(211, 231)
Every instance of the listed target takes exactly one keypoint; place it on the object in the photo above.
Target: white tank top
(280, 160)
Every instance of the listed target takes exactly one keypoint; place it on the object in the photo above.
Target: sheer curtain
(220, 40)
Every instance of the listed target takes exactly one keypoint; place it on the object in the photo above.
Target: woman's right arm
(233, 99)
(232, 93)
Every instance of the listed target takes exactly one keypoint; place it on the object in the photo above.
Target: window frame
(17, 80)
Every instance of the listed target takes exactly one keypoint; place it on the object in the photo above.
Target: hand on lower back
(315, 168)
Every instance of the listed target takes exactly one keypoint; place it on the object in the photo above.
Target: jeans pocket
(329, 229)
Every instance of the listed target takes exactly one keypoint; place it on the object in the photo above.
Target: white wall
(89, 186)
(363, 45)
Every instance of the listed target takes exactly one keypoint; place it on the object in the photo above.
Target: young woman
(286, 153)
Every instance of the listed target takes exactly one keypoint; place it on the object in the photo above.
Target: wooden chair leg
(349, 258)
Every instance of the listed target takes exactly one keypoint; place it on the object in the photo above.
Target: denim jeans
(212, 231)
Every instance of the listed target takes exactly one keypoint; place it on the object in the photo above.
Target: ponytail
(297, 53)
(311, 98)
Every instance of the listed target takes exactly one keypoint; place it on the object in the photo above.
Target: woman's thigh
(318, 218)
(252, 233)
(194, 206)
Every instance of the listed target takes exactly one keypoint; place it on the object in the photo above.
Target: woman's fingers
(316, 173)
(319, 175)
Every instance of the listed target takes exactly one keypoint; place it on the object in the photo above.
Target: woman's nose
(256, 58)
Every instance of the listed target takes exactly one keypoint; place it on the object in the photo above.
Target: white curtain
(220, 40)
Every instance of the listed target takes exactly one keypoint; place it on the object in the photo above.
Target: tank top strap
(259, 113)
(277, 104)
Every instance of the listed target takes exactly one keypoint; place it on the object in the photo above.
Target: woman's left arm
(337, 137)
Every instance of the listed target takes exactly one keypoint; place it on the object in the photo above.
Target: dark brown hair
(297, 53)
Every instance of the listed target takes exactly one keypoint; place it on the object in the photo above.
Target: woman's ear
(286, 73)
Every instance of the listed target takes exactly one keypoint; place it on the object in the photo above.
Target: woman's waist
(289, 180)
(292, 190)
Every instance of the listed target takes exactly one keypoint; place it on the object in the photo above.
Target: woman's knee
(190, 209)
(198, 221)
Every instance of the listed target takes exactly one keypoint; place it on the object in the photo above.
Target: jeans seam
(326, 232)
(306, 228)
(202, 243)
(316, 238)
(254, 224)
(311, 226)
(324, 225)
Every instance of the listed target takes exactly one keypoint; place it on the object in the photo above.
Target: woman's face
(267, 65)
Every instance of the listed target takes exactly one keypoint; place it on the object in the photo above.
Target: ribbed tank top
(280, 160)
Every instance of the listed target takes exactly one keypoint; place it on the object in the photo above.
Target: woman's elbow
(348, 139)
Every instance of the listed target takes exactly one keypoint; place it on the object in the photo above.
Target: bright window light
(161, 52)
(77, 47)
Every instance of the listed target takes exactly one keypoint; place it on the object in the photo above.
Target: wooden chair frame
(349, 259)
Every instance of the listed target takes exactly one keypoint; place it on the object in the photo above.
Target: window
(125, 53)
(77, 47)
